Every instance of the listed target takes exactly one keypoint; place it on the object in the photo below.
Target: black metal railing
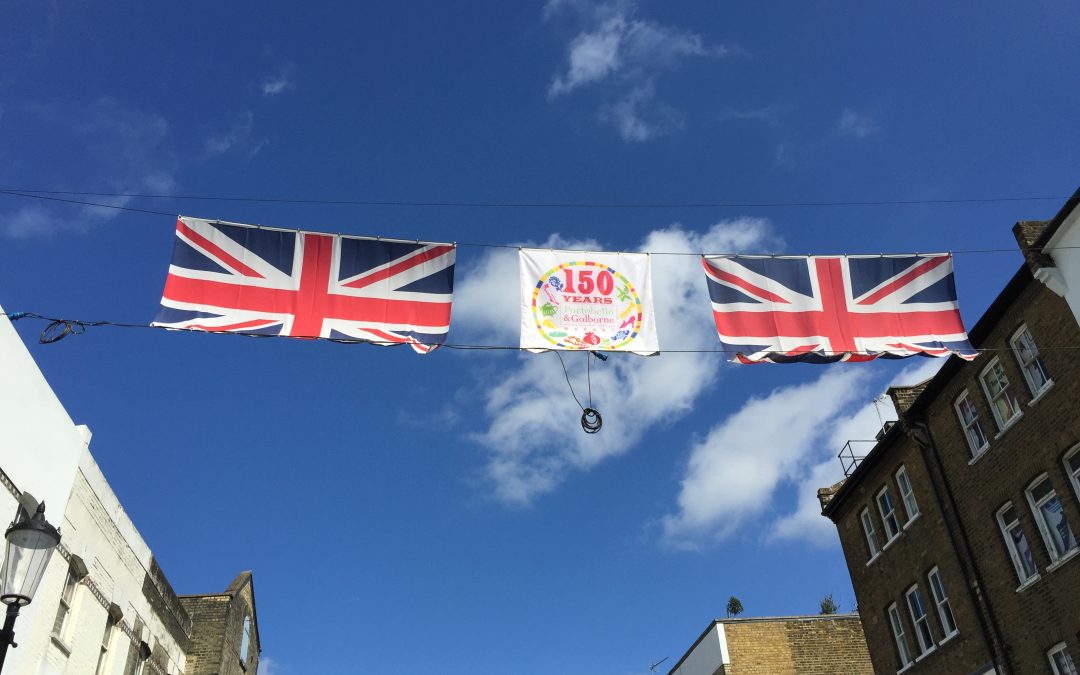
(848, 457)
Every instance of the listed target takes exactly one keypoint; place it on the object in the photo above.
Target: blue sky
(444, 513)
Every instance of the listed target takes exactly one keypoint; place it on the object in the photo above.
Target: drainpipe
(961, 543)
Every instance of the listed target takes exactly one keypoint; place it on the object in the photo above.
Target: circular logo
(586, 305)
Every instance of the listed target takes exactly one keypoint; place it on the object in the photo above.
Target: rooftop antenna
(652, 668)
(878, 400)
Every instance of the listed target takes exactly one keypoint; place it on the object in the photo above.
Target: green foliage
(734, 607)
(828, 605)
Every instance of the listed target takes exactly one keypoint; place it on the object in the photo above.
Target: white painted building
(1059, 239)
(104, 607)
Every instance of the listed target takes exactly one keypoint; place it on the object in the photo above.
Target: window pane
(1030, 361)
(1040, 491)
(888, 514)
(898, 635)
(1060, 533)
(871, 535)
(942, 600)
(1063, 663)
(918, 618)
(1008, 515)
(1023, 551)
(1074, 464)
(907, 493)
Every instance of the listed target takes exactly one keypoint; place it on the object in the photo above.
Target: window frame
(869, 532)
(106, 645)
(944, 607)
(903, 649)
(884, 491)
(1036, 361)
(966, 426)
(924, 649)
(1060, 648)
(245, 641)
(911, 505)
(64, 607)
(1074, 475)
(1005, 391)
(1040, 519)
(1010, 544)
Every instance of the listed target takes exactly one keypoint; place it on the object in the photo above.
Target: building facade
(104, 606)
(785, 645)
(958, 527)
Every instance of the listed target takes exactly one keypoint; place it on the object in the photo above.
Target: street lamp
(31, 541)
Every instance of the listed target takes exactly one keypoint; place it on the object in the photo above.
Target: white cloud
(239, 137)
(125, 144)
(279, 82)
(806, 522)
(856, 124)
(629, 53)
(268, 666)
(533, 438)
(30, 221)
(789, 438)
(638, 118)
(769, 115)
(733, 472)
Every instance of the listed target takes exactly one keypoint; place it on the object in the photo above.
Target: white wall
(708, 655)
(39, 444)
(1068, 259)
(43, 452)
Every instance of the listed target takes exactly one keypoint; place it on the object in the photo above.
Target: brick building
(784, 645)
(959, 525)
(104, 606)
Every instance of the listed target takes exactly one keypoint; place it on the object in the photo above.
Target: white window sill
(1028, 583)
(873, 558)
(905, 668)
(64, 649)
(949, 637)
(890, 542)
(928, 652)
(1009, 425)
(1069, 555)
(980, 454)
(908, 523)
(1042, 392)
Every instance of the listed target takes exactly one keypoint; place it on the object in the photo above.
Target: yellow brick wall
(812, 646)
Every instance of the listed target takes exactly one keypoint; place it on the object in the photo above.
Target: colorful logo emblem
(586, 305)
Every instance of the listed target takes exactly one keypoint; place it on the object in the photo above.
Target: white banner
(578, 300)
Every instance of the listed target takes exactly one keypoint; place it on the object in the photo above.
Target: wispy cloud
(788, 438)
(856, 124)
(114, 148)
(127, 150)
(532, 436)
(626, 53)
(637, 117)
(279, 82)
(769, 115)
(239, 137)
(268, 666)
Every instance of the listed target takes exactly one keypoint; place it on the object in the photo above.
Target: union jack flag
(821, 309)
(245, 279)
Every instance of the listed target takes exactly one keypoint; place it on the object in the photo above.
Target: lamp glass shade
(26, 557)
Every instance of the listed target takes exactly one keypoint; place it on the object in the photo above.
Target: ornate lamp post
(31, 541)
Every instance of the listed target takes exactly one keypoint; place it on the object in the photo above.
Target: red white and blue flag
(821, 309)
(228, 277)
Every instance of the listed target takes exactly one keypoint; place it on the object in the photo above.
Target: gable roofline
(1055, 223)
